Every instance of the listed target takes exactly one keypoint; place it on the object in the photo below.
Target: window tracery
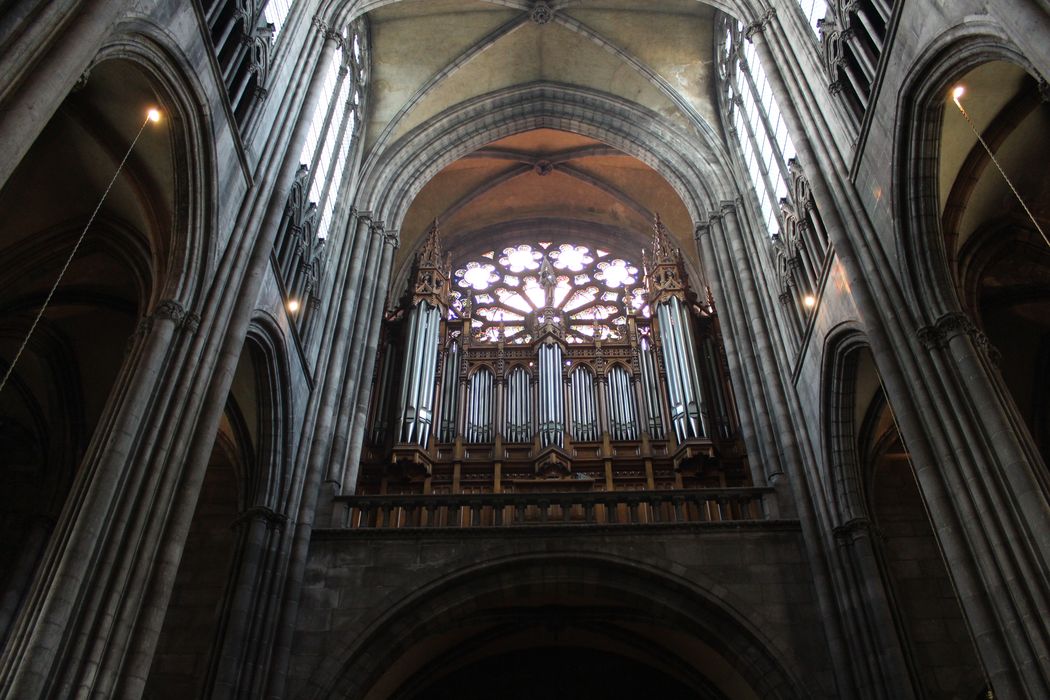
(507, 292)
(789, 214)
(756, 120)
(815, 11)
(300, 245)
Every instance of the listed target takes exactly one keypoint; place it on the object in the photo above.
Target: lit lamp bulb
(957, 92)
(153, 115)
(809, 301)
(293, 305)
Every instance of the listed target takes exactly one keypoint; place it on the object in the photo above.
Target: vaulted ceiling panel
(412, 42)
(534, 53)
(673, 39)
(530, 196)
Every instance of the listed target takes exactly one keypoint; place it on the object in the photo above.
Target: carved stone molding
(191, 323)
(952, 325)
(759, 24)
(930, 337)
(543, 167)
(169, 309)
(272, 519)
(852, 530)
(82, 81)
(541, 12)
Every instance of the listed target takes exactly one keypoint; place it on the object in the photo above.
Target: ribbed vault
(486, 112)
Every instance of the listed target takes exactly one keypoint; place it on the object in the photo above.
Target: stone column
(248, 258)
(303, 527)
(986, 498)
(371, 337)
(330, 443)
(58, 642)
(233, 664)
(738, 336)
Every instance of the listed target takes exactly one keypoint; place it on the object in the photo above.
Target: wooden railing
(552, 509)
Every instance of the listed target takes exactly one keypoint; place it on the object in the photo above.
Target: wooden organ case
(550, 366)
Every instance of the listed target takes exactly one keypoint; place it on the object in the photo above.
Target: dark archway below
(554, 672)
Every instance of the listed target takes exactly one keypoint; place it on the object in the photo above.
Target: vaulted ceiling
(428, 56)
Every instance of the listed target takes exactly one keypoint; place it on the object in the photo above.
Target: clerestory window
(755, 117)
(814, 10)
(333, 126)
(276, 13)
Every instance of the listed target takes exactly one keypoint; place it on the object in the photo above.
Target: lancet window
(814, 11)
(799, 240)
(243, 34)
(853, 35)
(550, 357)
(754, 117)
(300, 246)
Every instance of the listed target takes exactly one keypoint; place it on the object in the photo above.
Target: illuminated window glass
(332, 128)
(508, 289)
(755, 116)
(276, 12)
(814, 10)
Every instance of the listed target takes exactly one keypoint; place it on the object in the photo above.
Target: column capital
(952, 325)
(272, 519)
(759, 25)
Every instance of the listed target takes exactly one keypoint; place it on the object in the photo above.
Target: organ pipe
(429, 300)
(380, 423)
(623, 420)
(517, 407)
(584, 405)
(651, 389)
(683, 373)
(449, 393)
(479, 407)
(416, 406)
(551, 395)
(721, 409)
(668, 290)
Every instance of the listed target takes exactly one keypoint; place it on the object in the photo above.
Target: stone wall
(359, 586)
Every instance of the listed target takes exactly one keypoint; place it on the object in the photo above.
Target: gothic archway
(687, 635)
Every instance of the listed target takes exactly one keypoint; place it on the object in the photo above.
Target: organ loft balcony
(552, 383)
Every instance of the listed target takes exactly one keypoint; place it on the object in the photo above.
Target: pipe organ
(555, 366)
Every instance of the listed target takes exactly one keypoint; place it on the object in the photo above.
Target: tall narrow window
(787, 209)
(333, 126)
(755, 117)
(301, 241)
(814, 10)
(276, 13)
